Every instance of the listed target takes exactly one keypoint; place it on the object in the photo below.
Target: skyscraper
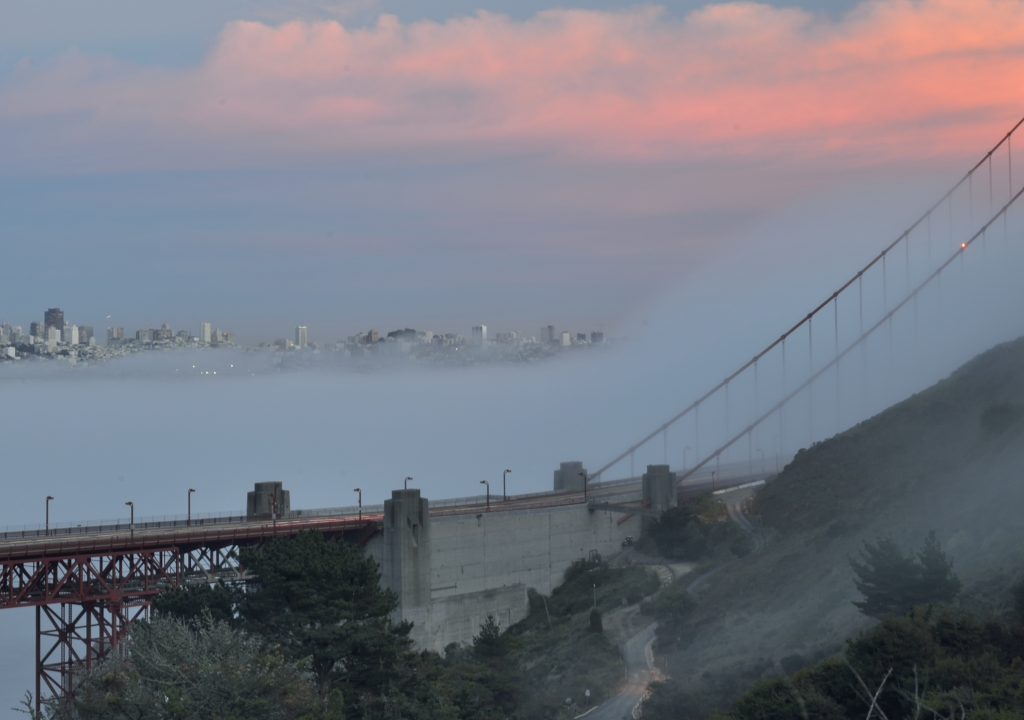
(301, 336)
(115, 335)
(206, 333)
(54, 318)
(480, 335)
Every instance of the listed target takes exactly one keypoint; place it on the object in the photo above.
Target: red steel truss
(88, 588)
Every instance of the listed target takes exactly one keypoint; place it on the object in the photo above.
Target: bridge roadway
(32, 545)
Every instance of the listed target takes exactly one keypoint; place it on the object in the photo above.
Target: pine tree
(490, 642)
(893, 583)
(321, 599)
(938, 582)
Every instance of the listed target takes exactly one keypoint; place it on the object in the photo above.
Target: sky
(373, 164)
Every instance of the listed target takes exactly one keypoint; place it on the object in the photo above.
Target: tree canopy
(184, 670)
(321, 599)
(310, 637)
(894, 583)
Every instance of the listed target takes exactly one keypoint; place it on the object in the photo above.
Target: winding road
(634, 634)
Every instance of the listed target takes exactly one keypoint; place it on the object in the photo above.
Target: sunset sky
(359, 164)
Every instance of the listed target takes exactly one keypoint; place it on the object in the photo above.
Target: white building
(70, 334)
(206, 333)
(566, 338)
(301, 336)
(52, 338)
(480, 335)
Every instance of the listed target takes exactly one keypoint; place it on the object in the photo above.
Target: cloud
(891, 78)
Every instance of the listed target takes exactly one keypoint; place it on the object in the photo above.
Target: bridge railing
(56, 530)
(174, 521)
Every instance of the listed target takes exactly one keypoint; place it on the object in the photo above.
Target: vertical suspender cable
(810, 388)
(835, 319)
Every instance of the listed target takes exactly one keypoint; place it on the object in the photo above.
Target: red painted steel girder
(245, 532)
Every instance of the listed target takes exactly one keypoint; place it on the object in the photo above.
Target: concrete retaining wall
(482, 564)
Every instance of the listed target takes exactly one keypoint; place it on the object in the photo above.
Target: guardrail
(153, 539)
(604, 489)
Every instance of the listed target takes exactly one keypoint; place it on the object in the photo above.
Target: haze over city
(574, 219)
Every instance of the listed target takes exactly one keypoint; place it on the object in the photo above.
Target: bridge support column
(405, 567)
(659, 489)
(268, 499)
(568, 477)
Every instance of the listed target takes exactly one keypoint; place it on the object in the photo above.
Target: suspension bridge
(88, 584)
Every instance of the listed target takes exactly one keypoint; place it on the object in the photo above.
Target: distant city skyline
(55, 317)
(60, 338)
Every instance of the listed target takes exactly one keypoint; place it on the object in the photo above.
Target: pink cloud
(894, 77)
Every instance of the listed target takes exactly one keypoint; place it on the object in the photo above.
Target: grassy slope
(949, 458)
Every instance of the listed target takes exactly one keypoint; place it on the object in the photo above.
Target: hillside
(949, 459)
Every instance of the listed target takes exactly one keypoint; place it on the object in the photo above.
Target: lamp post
(407, 479)
(583, 474)
(131, 517)
(360, 492)
(488, 484)
(49, 499)
(188, 517)
(504, 490)
(713, 473)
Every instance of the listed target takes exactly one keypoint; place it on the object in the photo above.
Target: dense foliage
(893, 584)
(694, 532)
(312, 639)
(199, 669)
(952, 665)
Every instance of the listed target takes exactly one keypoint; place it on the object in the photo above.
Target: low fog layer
(148, 427)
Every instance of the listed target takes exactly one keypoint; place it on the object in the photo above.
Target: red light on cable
(963, 246)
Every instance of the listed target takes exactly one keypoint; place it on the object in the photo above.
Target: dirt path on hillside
(634, 635)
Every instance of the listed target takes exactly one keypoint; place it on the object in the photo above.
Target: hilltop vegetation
(948, 459)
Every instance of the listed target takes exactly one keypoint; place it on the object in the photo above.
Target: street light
(485, 482)
(188, 517)
(131, 517)
(49, 499)
(407, 479)
(504, 491)
(583, 474)
(360, 491)
(713, 473)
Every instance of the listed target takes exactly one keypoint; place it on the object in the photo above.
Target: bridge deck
(31, 545)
